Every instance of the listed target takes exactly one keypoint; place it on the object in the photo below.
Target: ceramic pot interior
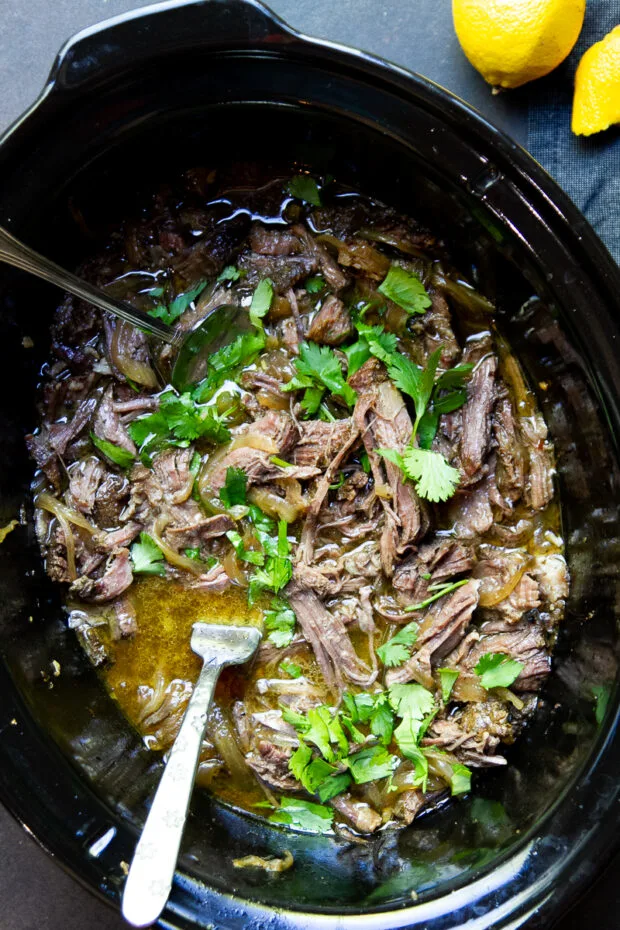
(99, 150)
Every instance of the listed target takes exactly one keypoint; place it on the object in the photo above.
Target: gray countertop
(35, 893)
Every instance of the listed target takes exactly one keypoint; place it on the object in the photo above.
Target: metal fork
(152, 869)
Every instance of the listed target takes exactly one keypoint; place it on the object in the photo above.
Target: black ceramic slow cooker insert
(178, 84)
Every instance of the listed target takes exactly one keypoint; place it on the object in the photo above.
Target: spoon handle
(152, 869)
(15, 253)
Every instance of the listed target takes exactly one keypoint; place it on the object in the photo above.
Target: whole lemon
(511, 42)
(596, 105)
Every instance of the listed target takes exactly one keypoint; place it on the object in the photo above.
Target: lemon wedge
(596, 105)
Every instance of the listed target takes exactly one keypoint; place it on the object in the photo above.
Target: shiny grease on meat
(385, 596)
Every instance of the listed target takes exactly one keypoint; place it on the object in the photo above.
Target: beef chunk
(443, 627)
(271, 765)
(108, 425)
(511, 461)
(85, 478)
(476, 414)
(523, 641)
(539, 484)
(381, 416)
(319, 441)
(116, 578)
(332, 325)
(329, 639)
(265, 241)
(438, 560)
(471, 747)
(359, 814)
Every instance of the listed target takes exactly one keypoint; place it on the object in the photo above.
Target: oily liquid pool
(151, 675)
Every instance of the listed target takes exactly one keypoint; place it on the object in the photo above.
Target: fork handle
(15, 253)
(152, 870)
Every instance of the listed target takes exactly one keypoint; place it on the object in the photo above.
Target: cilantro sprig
(434, 478)
(280, 624)
(277, 570)
(226, 362)
(317, 371)
(447, 680)
(178, 421)
(171, 312)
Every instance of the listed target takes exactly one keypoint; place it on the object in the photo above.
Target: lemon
(511, 42)
(596, 105)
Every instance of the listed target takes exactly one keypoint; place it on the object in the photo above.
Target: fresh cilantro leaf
(303, 815)
(252, 556)
(261, 302)
(318, 368)
(315, 284)
(321, 727)
(178, 420)
(360, 705)
(435, 480)
(356, 354)
(193, 553)
(371, 763)
(460, 781)
(365, 462)
(411, 700)
(437, 591)
(178, 306)
(407, 735)
(290, 668)
(234, 491)
(146, 556)
(381, 344)
(229, 273)
(398, 649)
(278, 569)
(447, 678)
(449, 402)
(497, 670)
(227, 361)
(601, 693)
(454, 377)
(189, 420)
(280, 623)
(382, 721)
(305, 188)
(299, 761)
(333, 785)
(116, 454)
(405, 289)
(427, 428)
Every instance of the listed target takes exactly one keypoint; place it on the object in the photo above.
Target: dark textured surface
(35, 893)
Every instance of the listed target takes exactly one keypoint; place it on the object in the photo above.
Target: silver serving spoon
(152, 869)
(219, 328)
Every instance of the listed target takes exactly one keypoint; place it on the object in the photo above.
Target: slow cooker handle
(92, 55)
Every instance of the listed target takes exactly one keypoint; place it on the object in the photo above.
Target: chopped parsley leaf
(315, 284)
